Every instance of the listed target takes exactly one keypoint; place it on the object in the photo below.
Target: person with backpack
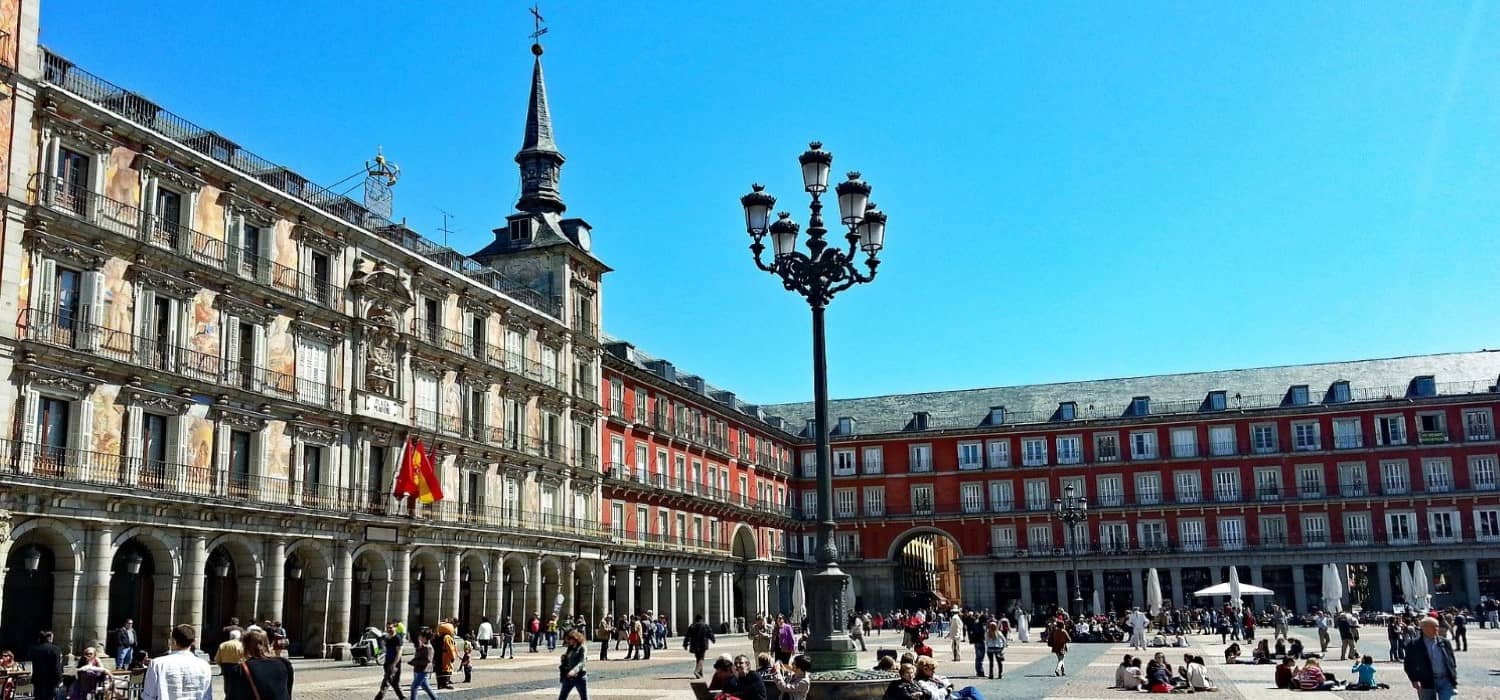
(534, 626)
(697, 640)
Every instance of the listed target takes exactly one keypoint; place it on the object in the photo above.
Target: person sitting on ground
(1232, 653)
(723, 671)
(936, 686)
(905, 686)
(1364, 675)
(1286, 673)
(1135, 677)
(886, 663)
(1179, 641)
(1197, 675)
(1311, 677)
(1280, 648)
(1294, 649)
(1158, 641)
(1262, 654)
(1158, 677)
(1123, 671)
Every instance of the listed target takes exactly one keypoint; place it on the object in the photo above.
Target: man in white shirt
(485, 636)
(180, 675)
(1138, 622)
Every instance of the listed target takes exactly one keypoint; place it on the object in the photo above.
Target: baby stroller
(367, 649)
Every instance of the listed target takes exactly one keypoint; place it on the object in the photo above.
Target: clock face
(583, 240)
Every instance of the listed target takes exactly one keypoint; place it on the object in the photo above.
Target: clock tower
(539, 159)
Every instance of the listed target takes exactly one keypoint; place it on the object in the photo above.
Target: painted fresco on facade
(109, 420)
(118, 295)
(23, 286)
(122, 182)
(208, 219)
(203, 337)
(281, 354)
(283, 248)
(198, 445)
(278, 449)
(452, 405)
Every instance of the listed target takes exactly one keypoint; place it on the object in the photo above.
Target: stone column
(275, 589)
(762, 594)
(454, 582)
(1383, 597)
(1026, 602)
(194, 561)
(1175, 576)
(1256, 573)
(1299, 588)
(1471, 583)
(536, 587)
(687, 586)
(672, 595)
(495, 598)
(568, 587)
(101, 554)
(601, 592)
(629, 601)
(708, 613)
(401, 587)
(1138, 589)
(649, 592)
(1064, 595)
(341, 604)
(731, 590)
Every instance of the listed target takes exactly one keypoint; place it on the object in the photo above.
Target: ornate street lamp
(294, 568)
(133, 562)
(219, 564)
(820, 273)
(361, 574)
(31, 559)
(1072, 510)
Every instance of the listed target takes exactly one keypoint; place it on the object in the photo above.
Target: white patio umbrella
(799, 598)
(1234, 588)
(1153, 592)
(1222, 589)
(1421, 594)
(1098, 602)
(1333, 592)
(1408, 587)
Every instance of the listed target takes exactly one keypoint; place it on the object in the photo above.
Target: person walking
(391, 664)
(1322, 622)
(974, 628)
(1348, 627)
(1058, 639)
(571, 670)
(180, 675)
(1138, 623)
(508, 639)
(421, 665)
(697, 640)
(994, 646)
(856, 631)
(604, 632)
(263, 675)
(955, 637)
(231, 651)
(125, 641)
(1461, 632)
(485, 637)
(760, 636)
(1023, 627)
(46, 667)
(534, 627)
(786, 639)
(1430, 665)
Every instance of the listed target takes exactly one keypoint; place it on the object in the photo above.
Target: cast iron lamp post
(1072, 510)
(827, 268)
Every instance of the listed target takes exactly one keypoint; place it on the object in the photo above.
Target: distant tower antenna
(445, 229)
(380, 176)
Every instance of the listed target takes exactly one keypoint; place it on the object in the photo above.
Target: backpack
(536, 625)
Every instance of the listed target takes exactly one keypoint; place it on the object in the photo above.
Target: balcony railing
(1348, 442)
(432, 333)
(66, 331)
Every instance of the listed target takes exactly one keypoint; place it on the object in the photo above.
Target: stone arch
(515, 578)
(234, 595)
(246, 552)
(426, 602)
(474, 581)
(48, 592)
(305, 599)
(65, 541)
(371, 586)
(926, 568)
(147, 597)
(907, 536)
(165, 547)
(744, 544)
(369, 554)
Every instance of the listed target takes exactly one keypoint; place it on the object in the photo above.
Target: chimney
(694, 383)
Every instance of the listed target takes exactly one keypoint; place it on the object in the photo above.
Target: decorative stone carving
(66, 385)
(330, 242)
(380, 350)
(151, 400)
(162, 281)
(315, 434)
(328, 336)
(375, 280)
(4, 525)
(236, 419)
(377, 435)
(242, 309)
(66, 251)
(426, 366)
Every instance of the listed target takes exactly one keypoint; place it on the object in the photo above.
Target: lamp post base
(828, 644)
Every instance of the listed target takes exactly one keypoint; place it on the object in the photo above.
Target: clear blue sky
(1075, 190)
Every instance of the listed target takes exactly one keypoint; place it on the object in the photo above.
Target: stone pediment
(379, 284)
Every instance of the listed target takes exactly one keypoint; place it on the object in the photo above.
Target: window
(1482, 472)
(1067, 410)
(921, 458)
(1153, 534)
(1299, 395)
(843, 463)
(1310, 481)
(1033, 452)
(320, 270)
(1069, 449)
(1352, 479)
(1487, 524)
(1190, 534)
(1226, 485)
(921, 499)
(1111, 491)
(510, 503)
(1002, 496)
(616, 398)
(1075, 537)
(874, 460)
(845, 502)
(1340, 392)
(312, 372)
(874, 500)
(1315, 530)
(1140, 406)
(1357, 528)
(1431, 428)
(972, 497)
(1442, 526)
(72, 181)
(1221, 440)
(1036, 495)
(1305, 436)
(1424, 386)
(809, 464)
(1143, 444)
(425, 400)
(1114, 537)
(1394, 477)
(1399, 528)
(616, 517)
(1346, 434)
(810, 503)
(1217, 401)
(1002, 539)
(1080, 489)
(1437, 475)
(1390, 430)
(999, 453)
(1232, 533)
(155, 453)
(1184, 442)
(1268, 483)
(1189, 486)
(1039, 538)
(1478, 425)
(1106, 447)
(1263, 437)
(1273, 531)
(970, 456)
(1148, 488)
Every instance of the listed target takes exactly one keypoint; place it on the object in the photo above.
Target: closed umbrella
(1098, 602)
(799, 598)
(1419, 583)
(1408, 587)
(1333, 593)
(849, 596)
(1234, 588)
(1153, 592)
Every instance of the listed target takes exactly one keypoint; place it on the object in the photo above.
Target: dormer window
(1140, 406)
(846, 426)
(997, 415)
(1217, 401)
(520, 231)
(1299, 395)
(1425, 385)
(812, 427)
(1067, 410)
(1340, 392)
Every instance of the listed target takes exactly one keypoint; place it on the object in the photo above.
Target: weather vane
(539, 22)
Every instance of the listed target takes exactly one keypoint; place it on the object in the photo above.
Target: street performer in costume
(447, 652)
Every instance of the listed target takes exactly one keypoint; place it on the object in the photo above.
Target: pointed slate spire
(539, 159)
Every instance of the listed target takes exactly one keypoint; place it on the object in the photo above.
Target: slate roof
(1265, 387)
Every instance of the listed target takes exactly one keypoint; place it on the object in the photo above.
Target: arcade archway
(927, 573)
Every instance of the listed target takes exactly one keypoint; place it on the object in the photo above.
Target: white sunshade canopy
(1222, 589)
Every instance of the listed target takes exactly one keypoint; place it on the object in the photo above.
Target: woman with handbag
(263, 675)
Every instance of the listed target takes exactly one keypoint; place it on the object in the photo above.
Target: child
(465, 657)
(1364, 673)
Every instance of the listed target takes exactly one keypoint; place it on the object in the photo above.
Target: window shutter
(174, 339)
(175, 469)
(263, 267)
(258, 347)
(92, 317)
(231, 348)
(46, 294)
(145, 316)
(31, 410)
(221, 450)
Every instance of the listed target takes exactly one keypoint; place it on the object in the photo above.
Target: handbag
(245, 669)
